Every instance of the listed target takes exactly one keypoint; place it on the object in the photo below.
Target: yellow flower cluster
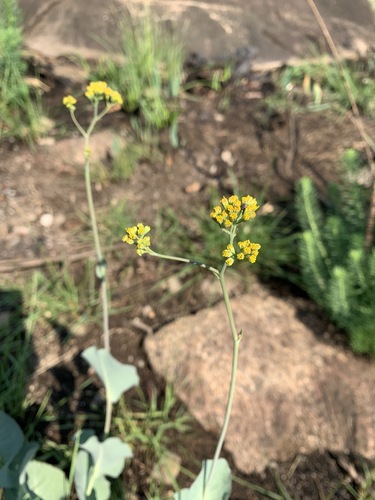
(137, 234)
(69, 101)
(248, 251)
(100, 90)
(234, 210)
(96, 91)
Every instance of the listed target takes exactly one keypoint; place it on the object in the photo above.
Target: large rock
(213, 30)
(295, 392)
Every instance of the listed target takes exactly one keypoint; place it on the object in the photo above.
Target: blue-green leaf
(24, 456)
(100, 488)
(116, 377)
(109, 456)
(45, 482)
(11, 438)
(15, 452)
(217, 488)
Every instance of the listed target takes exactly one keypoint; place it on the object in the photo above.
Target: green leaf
(23, 457)
(96, 460)
(109, 456)
(45, 482)
(100, 488)
(309, 212)
(339, 295)
(116, 377)
(16, 453)
(219, 485)
(11, 438)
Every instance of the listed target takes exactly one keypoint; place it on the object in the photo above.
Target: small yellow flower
(98, 91)
(229, 251)
(113, 96)
(95, 90)
(234, 210)
(249, 250)
(136, 234)
(229, 261)
(142, 230)
(69, 101)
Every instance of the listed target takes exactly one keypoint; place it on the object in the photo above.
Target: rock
(212, 31)
(46, 220)
(193, 187)
(294, 392)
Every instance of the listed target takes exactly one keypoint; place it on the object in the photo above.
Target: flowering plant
(214, 478)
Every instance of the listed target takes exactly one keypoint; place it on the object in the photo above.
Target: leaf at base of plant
(116, 377)
(217, 488)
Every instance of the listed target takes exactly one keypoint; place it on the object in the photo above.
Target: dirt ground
(43, 218)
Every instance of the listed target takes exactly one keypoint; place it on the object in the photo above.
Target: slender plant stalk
(94, 225)
(101, 264)
(236, 343)
(356, 117)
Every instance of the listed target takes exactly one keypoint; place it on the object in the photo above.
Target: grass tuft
(20, 113)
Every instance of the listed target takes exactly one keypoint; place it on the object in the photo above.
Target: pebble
(194, 187)
(228, 158)
(148, 312)
(46, 220)
(219, 117)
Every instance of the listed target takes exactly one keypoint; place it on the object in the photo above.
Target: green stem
(90, 203)
(108, 416)
(99, 254)
(186, 261)
(236, 343)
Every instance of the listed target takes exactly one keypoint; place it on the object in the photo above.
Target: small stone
(194, 187)
(228, 158)
(141, 363)
(148, 312)
(173, 284)
(213, 169)
(219, 117)
(46, 220)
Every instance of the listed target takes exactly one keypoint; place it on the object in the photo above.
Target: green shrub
(20, 115)
(337, 271)
(151, 73)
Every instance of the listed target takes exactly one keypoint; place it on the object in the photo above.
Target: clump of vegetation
(321, 85)
(338, 272)
(16, 352)
(151, 73)
(20, 113)
(271, 228)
